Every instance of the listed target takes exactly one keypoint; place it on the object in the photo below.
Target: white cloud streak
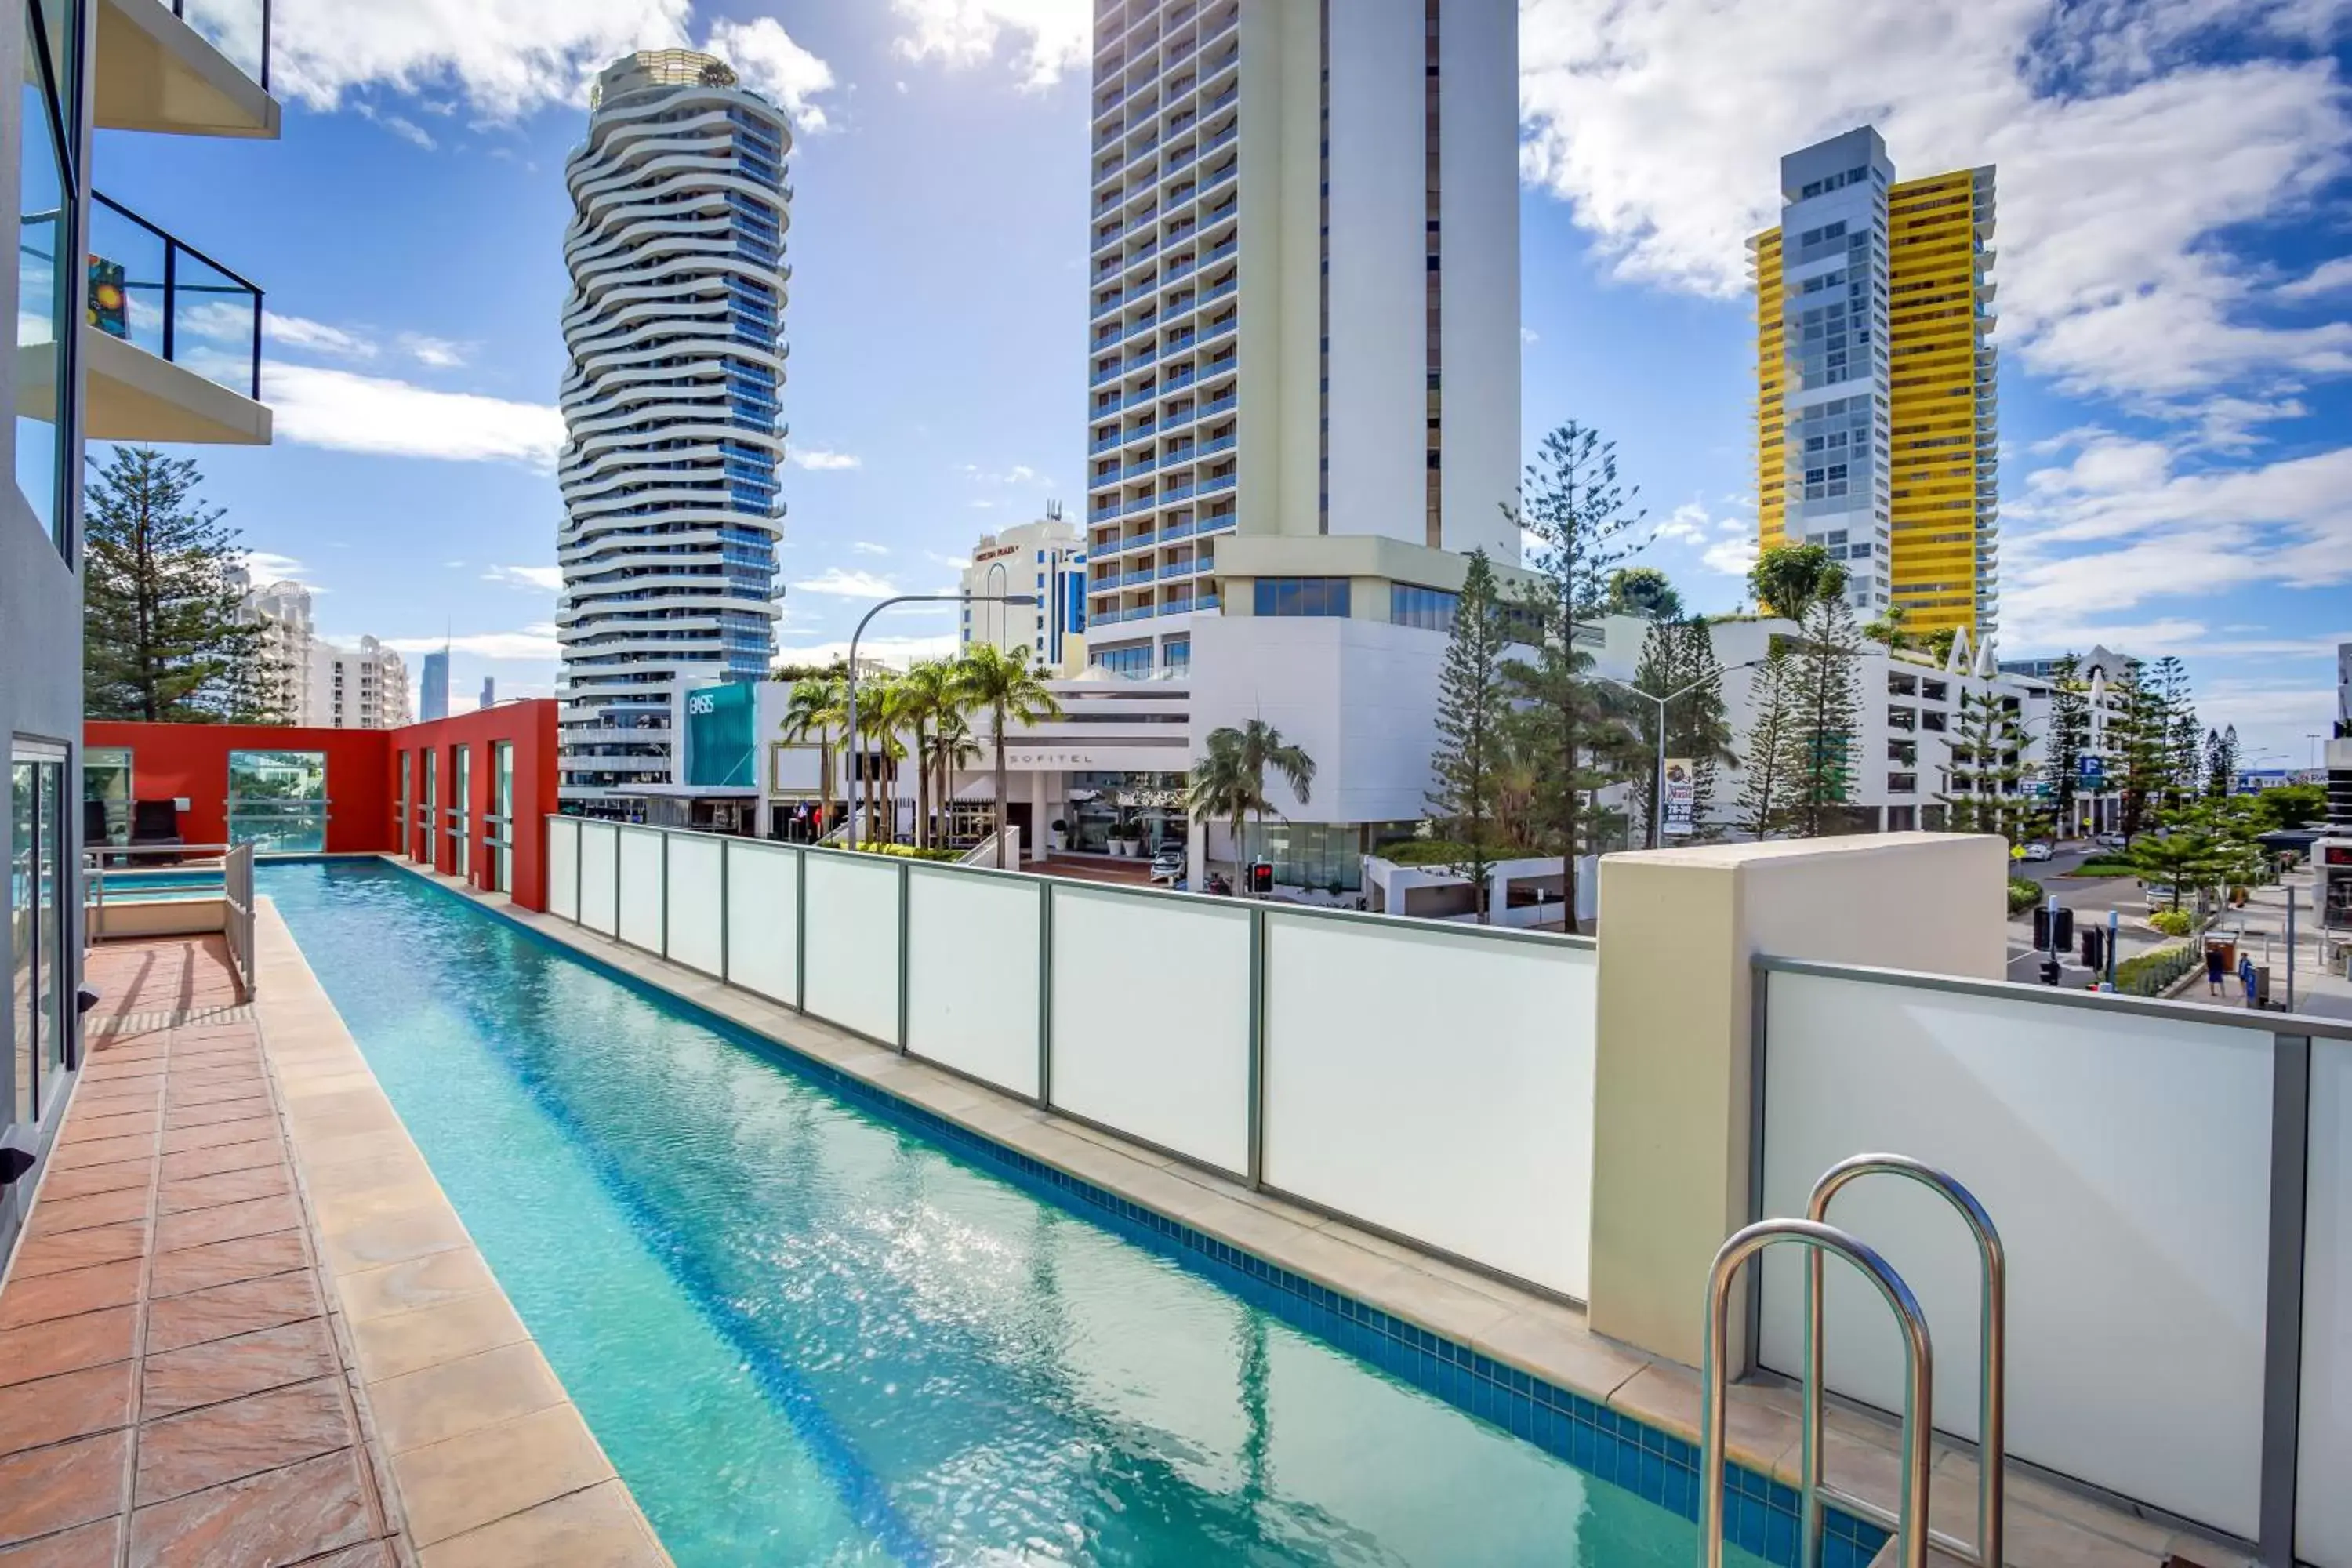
(536, 642)
(1041, 38)
(819, 458)
(776, 66)
(539, 579)
(846, 585)
(353, 413)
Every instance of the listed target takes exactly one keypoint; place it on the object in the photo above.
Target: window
(498, 827)
(277, 801)
(421, 846)
(37, 901)
(106, 794)
(1133, 659)
(1176, 653)
(1302, 597)
(461, 772)
(46, 281)
(1431, 609)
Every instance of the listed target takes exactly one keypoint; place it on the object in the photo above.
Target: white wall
(972, 1004)
(2323, 1503)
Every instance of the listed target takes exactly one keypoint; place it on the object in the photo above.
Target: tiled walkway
(171, 1389)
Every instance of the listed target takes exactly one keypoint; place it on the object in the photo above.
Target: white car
(1167, 864)
(2110, 841)
(2037, 850)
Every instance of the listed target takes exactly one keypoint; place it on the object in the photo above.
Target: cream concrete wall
(1671, 1128)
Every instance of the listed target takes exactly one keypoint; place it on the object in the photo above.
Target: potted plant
(1056, 832)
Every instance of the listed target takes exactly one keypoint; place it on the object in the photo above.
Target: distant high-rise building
(284, 658)
(365, 688)
(1876, 412)
(673, 436)
(489, 697)
(1046, 560)
(435, 700)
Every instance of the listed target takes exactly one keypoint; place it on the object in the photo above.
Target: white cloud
(503, 58)
(848, 584)
(1688, 524)
(867, 547)
(407, 129)
(1018, 474)
(817, 457)
(268, 566)
(352, 412)
(222, 322)
(545, 579)
(439, 353)
(896, 651)
(2114, 275)
(2327, 278)
(1732, 557)
(1043, 38)
(534, 642)
(774, 66)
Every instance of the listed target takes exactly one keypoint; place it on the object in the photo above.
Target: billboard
(720, 744)
(1682, 798)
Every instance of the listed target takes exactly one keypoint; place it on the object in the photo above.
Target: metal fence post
(800, 933)
(1257, 977)
(1759, 1012)
(578, 872)
(1044, 993)
(2283, 1320)
(617, 882)
(906, 928)
(665, 912)
(726, 847)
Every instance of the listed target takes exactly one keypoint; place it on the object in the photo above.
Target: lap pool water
(806, 1335)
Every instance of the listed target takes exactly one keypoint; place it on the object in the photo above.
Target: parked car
(2037, 850)
(1167, 864)
(2111, 841)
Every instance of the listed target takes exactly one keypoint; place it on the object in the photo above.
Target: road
(2090, 898)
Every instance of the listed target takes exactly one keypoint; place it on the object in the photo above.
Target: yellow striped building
(1876, 420)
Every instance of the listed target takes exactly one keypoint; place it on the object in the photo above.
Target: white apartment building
(287, 640)
(674, 435)
(1303, 382)
(363, 687)
(1046, 560)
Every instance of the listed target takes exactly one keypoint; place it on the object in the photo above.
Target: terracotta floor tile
(174, 1322)
(73, 1153)
(255, 1217)
(63, 1295)
(225, 1187)
(119, 1124)
(223, 1443)
(214, 1134)
(72, 1405)
(206, 1113)
(58, 1487)
(372, 1554)
(269, 1151)
(233, 1368)
(219, 1091)
(39, 1254)
(67, 1344)
(247, 1257)
(53, 1216)
(92, 1179)
(287, 1515)
(97, 1545)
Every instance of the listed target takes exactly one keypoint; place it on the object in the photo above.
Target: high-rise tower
(1876, 417)
(673, 435)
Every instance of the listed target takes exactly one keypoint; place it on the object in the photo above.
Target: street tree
(2221, 761)
(1987, 781)
(816, 706)
(1472, 713)
(1829, 697)
(1643, 590)
(1002, 686)
(1769, 751)
(2069, 736)
(1678, 657)
(1229, 782)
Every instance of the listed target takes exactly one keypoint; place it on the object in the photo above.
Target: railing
(1298, 1064)
(167, 297)
(237, 926)
(239, 29)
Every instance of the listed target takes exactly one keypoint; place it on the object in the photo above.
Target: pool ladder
(1913, 1533)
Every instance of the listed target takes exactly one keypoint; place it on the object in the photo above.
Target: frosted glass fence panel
(1151, 1024)
(2126, 1159)
(763, 918)
(972, 974)
(641, 886)
(853, 941)
(1438, 1083)
(2323, 1503)
(599, 855)
(564, 866)
(694, 929)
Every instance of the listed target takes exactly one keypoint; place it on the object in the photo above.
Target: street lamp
(997, 580)
(1658, 784)
(965, 599)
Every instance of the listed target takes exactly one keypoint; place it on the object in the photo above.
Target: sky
(2174, 268)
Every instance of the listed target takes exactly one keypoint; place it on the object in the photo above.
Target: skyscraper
(1876, 417)
(1046, 560)
(283, 662)
(433, 700)
(673, 329)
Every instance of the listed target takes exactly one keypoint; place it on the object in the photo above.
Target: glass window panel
(277, 801)
(106, 793)
(24, 806)
(48, 897)
(44, 293)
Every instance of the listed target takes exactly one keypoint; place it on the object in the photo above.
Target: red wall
(171, 760)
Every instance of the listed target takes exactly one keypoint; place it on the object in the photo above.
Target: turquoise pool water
(149, 887)
(805, 1335)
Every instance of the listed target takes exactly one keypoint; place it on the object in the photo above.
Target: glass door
(400, 803)
(431, 802)
(277, 801)
(37, 905)
(498, 826)
(461, 801)
(106, 794)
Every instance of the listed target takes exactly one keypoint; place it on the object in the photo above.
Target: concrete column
(1671, 1124)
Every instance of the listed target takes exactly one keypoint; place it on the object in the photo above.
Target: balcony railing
(239, 29)
(152, 290)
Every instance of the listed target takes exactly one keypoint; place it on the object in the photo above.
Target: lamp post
(851, 682)
(997, 580)
(1658, 781)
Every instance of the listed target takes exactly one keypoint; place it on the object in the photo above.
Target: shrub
(909, 851)
(2022, 895)
(2172, 922)
(2152, 971)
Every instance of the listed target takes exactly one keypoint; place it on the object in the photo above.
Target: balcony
(183, 68)
(171, 346)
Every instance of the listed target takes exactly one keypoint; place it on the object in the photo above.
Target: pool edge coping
(407, 1223)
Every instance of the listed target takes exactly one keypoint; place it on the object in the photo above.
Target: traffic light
(2053, 930)
(2050, 971)
(1261, 878)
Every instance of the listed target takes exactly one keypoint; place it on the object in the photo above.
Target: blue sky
(2175, 270)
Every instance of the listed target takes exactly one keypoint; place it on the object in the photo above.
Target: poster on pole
(1682, 798)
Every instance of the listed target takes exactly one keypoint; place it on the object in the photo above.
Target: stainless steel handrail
(1993, 1319)
(1918, 1384)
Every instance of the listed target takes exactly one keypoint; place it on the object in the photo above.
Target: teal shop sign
(720, 747)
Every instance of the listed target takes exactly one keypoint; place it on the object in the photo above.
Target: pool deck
(2048, 1525)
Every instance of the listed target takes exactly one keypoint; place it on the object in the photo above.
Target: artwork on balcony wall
(108, 303)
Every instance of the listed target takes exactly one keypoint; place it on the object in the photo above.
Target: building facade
(288, 644)
(1046, 560)
(673, 424)
(85, 269)
(434, 694)
(1303, 371)
(362, 687)
(1876, 417)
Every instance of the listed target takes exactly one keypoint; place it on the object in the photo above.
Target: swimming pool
(806, 1334)
(153, 886)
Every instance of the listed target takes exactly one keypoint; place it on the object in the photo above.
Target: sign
(1682, 798)
(1160, 799)
(719, 748)
(2093, 770)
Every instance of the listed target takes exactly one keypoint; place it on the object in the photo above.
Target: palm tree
(988, 680)
(878, 732)
(1230, 782)
(816, 708)
(952, 746)
(920, 700)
